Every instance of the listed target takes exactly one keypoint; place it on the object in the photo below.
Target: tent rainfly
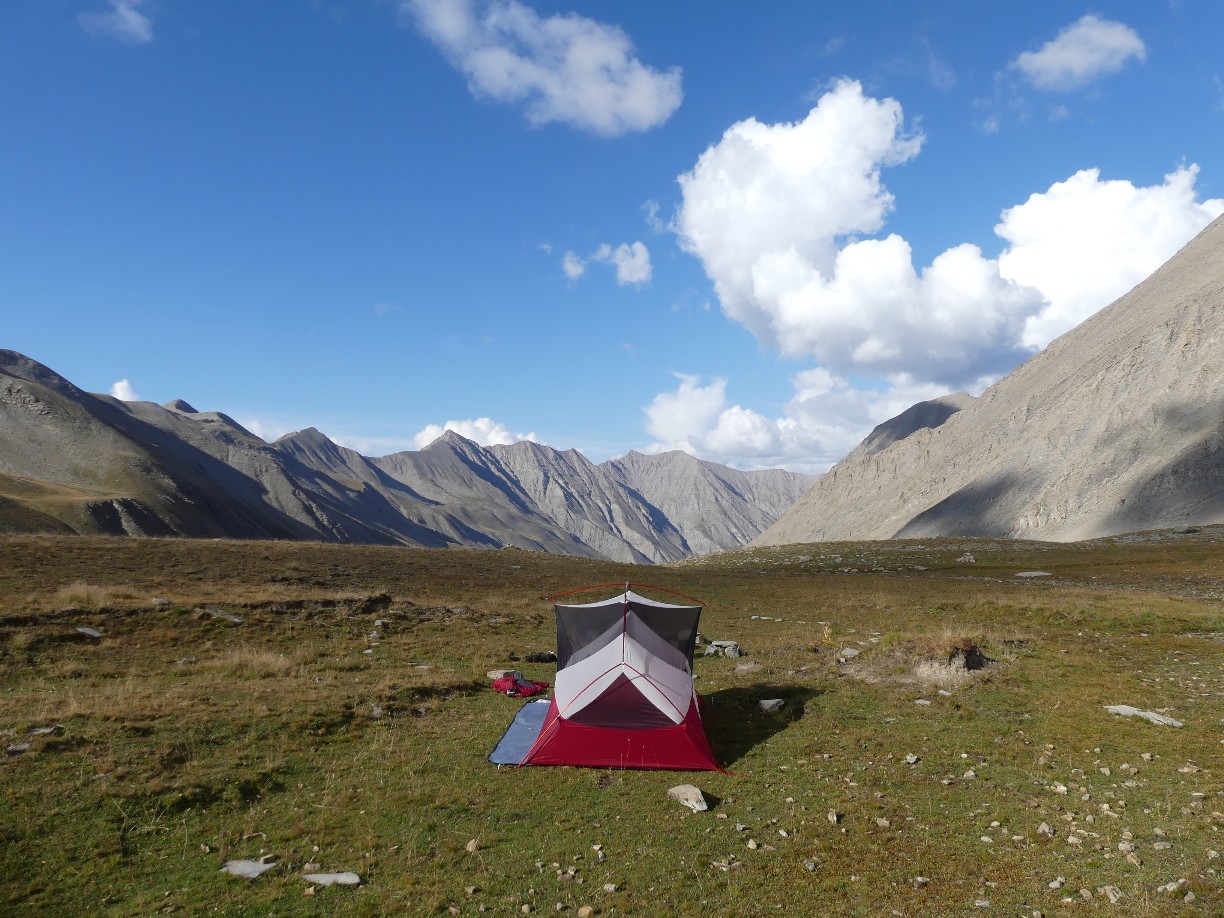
(624, 694)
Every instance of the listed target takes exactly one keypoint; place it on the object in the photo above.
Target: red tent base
(679, 747)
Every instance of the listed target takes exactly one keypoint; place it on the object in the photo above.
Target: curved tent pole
(626, 586)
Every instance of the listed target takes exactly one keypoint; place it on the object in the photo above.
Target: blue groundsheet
(524, 731)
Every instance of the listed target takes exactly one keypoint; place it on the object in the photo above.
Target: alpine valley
(76, 462)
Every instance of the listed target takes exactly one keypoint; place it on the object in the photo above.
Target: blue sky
(751, 231)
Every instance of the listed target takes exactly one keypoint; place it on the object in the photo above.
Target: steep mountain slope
(71, 461)
(922, 416)
(714, 507)
(89, 463)
(583, 499)
(1117, 426)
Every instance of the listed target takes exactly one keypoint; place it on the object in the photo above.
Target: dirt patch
(943, 664)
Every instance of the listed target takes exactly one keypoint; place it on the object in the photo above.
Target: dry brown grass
(934, 659)
(80, 593)
(133, 698)
(85, 595)
(253, 663)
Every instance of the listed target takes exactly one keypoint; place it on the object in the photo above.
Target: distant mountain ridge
(1117, 426)
(72, 461)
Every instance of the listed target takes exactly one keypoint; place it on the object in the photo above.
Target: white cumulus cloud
(632, 262)
(123, 391)
(1084, 242)
(484, 431)
(775, 213)
(825, 419)
(573, 266)
(778, 215)
(123, 21)
(1089, 48)
(563, 68)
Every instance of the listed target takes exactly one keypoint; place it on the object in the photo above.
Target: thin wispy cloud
(573, 265)
(650, 210)
(1083, 52)
(564, 68)
(123, 21)
(939, 71)
(631, 260)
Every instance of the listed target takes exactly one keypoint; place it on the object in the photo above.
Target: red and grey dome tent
(624, 694)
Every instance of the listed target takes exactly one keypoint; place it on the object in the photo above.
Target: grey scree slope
(1117, 426)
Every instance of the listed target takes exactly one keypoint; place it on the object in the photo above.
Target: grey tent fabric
(583, 628)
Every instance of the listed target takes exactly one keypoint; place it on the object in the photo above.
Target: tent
(624, 694)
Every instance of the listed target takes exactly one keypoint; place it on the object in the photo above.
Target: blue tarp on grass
(524, 731)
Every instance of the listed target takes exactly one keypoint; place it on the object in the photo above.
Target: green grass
(189, 739)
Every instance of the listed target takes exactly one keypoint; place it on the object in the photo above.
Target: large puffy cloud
(564, 68)
(1085, 242)
(484, 431)
(776, 212)
(123, 21)
(773, 212)
(1089, 48)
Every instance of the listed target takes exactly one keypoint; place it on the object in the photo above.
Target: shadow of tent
(734, 722)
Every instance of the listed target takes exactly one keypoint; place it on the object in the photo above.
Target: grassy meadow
(242, 702)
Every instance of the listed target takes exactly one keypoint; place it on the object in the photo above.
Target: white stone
(1127, 711)
(345, 878)
(248, 870)
(690, 796)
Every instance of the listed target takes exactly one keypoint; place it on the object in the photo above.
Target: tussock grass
(252, 663)
(87, 595)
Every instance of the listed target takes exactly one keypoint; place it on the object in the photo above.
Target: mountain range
(76, 462)
(1117, 426)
